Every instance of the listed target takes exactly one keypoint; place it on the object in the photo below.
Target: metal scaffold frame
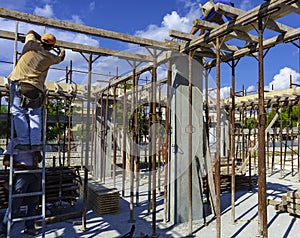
(209, 50)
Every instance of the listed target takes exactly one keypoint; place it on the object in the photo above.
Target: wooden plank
(210, 26)
(235, 12)
(78, 28)
(88, 49)
(293, 211)
(294, 206)
(189, 37)
(243, 22)
(289, 36)
(60, 218)
(293, 194)
(278, 205)
(293, 200)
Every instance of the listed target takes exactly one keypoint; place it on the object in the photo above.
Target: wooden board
(293, 194)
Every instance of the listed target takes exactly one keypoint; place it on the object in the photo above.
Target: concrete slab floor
(280, 224)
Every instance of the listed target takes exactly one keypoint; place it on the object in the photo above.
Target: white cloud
(76, 19)
(225, 92)
(282, 79)
(47, 11)
(170, 21)
(92, 6)
(251, 89)
(246, 5)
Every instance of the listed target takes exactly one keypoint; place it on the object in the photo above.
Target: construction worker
(22, 183)
(27, 87)
(209, 14)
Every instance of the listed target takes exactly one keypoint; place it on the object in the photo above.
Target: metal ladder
(42, 171)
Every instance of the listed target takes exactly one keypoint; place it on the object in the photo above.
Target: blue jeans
(24, 183)
(27, 122)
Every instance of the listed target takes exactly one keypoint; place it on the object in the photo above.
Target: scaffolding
(119, 116)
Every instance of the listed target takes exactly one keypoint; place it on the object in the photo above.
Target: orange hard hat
(48, 39)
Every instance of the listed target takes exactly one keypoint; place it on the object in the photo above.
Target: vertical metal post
(218, 143)
(190, 147)
(136, 137)
(153, 143)
(94, 138)
(87, 142)
(10, 181)
(298, 154)
(159, 145)
(132, 145)
(232, 142)
(82, 132)
(105, 142)
(90, 63)
(101, 138)
(150, 151)
(281, 140)
(166, 146)
(124, 140)
(243, 133)
(84, 202)
(114, 136)
(69, 133)
(262, 199)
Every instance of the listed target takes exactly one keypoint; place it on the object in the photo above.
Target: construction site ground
(280, 223)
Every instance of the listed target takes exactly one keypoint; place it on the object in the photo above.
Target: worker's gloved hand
(62, 54)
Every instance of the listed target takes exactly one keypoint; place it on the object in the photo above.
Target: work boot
(31, 231)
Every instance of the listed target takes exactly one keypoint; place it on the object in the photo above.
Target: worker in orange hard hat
(48, 39)
(27, 90)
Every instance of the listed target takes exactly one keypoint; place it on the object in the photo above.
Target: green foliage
(54, 130)
(288, 117)
(250, 123)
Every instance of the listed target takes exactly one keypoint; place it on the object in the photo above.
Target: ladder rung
(26, 194)
(27, 218)
(28, 171)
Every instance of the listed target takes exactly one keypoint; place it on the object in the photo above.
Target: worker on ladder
(23, 183)
(209, 14)
(27, 94)
(27, 88)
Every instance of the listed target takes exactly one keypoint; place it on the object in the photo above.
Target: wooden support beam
(189, 37)
(238, 34)
(273, 96)
(274, 8)
(285, 37)
(88, 49)
(235, 12)
(78, 28)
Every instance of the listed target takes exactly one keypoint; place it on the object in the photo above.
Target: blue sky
(149, 19)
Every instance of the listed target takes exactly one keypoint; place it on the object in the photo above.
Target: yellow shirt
(34, 63)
